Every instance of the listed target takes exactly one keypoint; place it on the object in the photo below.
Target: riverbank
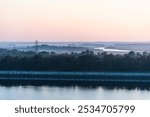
(72, 78)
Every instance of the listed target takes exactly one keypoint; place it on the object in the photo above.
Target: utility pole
(36, 46)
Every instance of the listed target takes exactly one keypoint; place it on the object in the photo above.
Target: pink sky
(75, 20)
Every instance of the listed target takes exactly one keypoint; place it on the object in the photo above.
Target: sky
(75, 20)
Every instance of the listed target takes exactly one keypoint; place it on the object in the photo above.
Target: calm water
(71, 93)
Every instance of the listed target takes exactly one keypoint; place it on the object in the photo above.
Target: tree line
(84, 61)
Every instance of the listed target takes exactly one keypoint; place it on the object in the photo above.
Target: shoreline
(75, 78)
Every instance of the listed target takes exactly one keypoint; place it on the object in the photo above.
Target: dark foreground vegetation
(85, 61)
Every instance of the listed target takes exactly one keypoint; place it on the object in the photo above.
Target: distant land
(97, 62)
(68, 47)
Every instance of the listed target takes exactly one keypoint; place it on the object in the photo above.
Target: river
(71, 93)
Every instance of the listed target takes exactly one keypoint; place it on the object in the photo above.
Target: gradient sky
(75, 20)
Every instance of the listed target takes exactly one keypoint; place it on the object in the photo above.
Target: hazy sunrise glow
(75, 20)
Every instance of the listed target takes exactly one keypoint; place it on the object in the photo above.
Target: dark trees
(85, 61)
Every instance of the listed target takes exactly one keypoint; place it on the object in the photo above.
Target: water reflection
(75, 92)
(108, 86)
